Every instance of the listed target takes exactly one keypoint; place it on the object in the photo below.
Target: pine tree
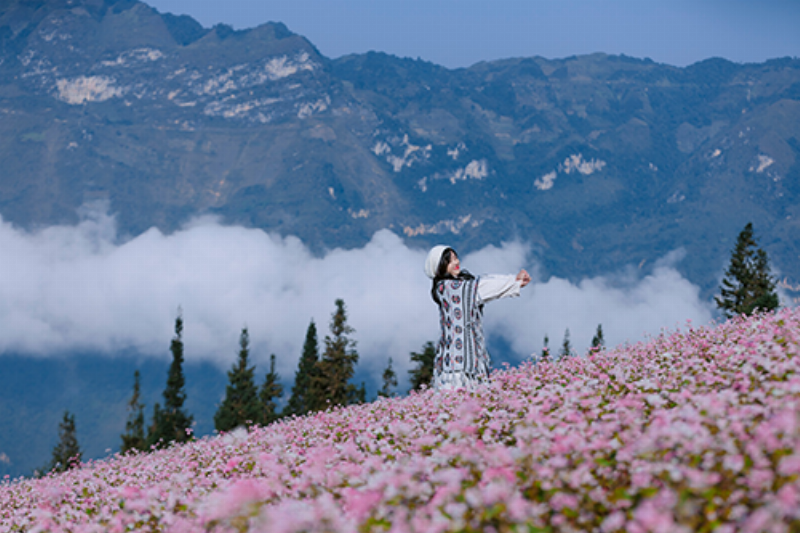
(389, 381)
(566, 346)
(156, 426)
(331, 386)
(172, 423)
(271, 390)
(134, 437)
(545, 350)
(357, 395)
(747, 286)
(67, 453)
(241, 406)
(422, 374)
(598, 342)
(301, 400)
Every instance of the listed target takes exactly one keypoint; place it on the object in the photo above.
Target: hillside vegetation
(691, 431)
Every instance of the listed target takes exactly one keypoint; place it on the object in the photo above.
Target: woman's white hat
(432, 261)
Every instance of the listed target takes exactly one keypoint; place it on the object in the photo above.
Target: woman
(461, 357)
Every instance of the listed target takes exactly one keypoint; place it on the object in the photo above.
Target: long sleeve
(495, 286)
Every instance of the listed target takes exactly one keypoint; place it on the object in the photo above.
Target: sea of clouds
(81, 288)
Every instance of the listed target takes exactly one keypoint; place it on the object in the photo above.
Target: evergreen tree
(241, 406)
(301, 400)
(747, 286)
(270, 391)
(566, 346)
(331, 385)
(358, 395)
(598, 343)
(67, 453)
(156, 426)
(171, 423)
(545, 350)
(422, 374)
(134, 437)
(389, 381)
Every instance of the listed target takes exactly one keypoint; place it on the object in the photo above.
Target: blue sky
(459, 33)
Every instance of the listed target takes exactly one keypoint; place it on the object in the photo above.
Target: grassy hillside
(691, 431)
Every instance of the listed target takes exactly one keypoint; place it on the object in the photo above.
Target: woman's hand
(523, 277)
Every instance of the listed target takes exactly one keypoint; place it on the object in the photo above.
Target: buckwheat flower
(758, 522)
(359, 504)
(562, 500)
(733, 462)
(613, 522)
(760, 479)
(788, 498)
(652, 517)
(240, 498)
(789, 465)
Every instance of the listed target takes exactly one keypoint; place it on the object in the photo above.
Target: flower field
(691, 431)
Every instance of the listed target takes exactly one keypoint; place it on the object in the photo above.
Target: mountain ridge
(598, 160)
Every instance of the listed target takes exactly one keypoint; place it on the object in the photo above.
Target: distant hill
(598, 161)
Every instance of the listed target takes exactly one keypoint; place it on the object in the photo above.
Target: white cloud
(77, 288)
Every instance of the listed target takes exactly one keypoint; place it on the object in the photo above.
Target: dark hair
(442, 274)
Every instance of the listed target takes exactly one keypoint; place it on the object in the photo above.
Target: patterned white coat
(461, 357)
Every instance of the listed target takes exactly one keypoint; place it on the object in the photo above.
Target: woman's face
(454, 266)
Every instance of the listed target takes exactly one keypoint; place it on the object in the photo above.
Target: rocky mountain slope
(598, 161)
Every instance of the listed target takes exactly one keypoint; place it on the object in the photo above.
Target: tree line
(324, 381)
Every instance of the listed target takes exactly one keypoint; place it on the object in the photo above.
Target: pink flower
(562, 500)
(238, 498)
(790, 465)
(613, 522)
(358, 504)
(789, 498)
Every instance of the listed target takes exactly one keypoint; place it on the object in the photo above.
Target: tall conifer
(545, 350)
(271, 391)
(134, 437)
(171, 423)
(241, 406)
(67, 453)
(358, 395)
(389, 381)
(598, 342)
(566, 346)
(331, 386)
(301, 399)
(422, 373)
(748, 285)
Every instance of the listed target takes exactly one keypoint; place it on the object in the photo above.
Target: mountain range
(597, 161)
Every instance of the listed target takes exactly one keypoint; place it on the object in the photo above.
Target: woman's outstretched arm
(494, 286)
